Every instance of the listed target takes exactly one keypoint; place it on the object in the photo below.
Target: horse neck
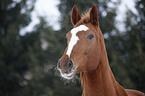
(101, 82)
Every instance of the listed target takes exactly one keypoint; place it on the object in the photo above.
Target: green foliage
(13, 53)
(126, 51)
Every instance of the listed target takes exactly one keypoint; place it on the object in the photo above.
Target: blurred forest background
(27, 63)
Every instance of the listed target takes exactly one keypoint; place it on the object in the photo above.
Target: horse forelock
(85, 18)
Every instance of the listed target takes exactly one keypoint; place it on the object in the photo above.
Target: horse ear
(75, 16)
(94, 15)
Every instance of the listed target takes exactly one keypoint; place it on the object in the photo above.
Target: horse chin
(69, 75)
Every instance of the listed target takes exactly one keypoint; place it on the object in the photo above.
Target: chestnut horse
(86, 54)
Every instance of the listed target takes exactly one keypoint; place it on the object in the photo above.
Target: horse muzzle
(66, 68)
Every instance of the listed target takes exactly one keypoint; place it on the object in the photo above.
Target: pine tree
(13, 52)
(134, 42)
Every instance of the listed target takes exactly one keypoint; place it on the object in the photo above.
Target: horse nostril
(70, 64)
(59, 64)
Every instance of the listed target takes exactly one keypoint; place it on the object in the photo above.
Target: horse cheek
(93, 63)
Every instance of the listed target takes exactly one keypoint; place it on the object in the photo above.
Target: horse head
(83, 50)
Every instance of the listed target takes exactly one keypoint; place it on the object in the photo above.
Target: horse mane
(82, 79)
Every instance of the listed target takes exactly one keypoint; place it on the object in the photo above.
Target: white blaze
(74, 39)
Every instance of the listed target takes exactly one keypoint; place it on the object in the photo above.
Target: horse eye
(90, 36)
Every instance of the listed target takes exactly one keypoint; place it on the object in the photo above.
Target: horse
(86, 54)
